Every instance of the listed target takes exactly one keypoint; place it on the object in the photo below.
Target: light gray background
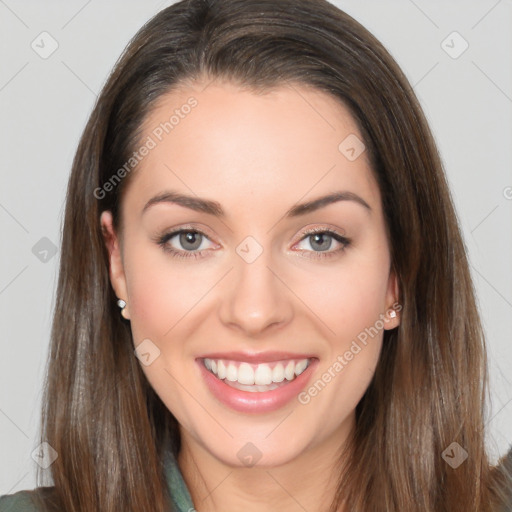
(45, 104)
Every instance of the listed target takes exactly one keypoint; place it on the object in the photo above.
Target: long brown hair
(100, 414)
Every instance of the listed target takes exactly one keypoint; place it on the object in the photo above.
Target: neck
(306, 482)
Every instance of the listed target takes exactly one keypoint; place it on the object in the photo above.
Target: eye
(190, 240)
(190, 243)
(320, 240)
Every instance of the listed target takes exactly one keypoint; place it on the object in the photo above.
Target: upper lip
(256, 357)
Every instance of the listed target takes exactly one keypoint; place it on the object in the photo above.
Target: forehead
(249, 148)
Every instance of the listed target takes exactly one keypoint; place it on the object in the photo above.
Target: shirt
(22, 502)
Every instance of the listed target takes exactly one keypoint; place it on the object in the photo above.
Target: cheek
(161, 291)
(162, 296)
(350, 306)
(347, 298)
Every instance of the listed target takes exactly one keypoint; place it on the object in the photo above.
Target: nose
(255, 298)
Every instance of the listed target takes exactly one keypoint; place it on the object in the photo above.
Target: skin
(257, 155)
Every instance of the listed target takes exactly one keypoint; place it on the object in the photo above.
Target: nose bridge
(256, 298)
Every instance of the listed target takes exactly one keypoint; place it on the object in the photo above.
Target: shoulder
(18, 502)
(23, 501)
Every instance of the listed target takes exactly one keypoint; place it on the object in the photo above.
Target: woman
(318, 346)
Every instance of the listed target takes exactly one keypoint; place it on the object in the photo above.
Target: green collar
(177, 487)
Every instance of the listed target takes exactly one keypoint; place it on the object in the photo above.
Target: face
(251, 275)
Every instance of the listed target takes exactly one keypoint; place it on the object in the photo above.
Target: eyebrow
(214, 208)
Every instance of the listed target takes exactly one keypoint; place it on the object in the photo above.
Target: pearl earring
(122, 304)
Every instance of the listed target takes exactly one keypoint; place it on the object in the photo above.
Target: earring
(122, 304)
(392, 313)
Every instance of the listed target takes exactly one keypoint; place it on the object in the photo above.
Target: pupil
(323, 243)
(190, 237)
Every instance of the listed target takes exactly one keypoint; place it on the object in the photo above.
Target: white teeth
(263, 375)
(231, 373)
(301, 366)
(252, 389)
(221, 370)
(278, 373)
(247, 374)
(289, 371)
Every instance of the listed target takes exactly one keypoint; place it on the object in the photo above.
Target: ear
(116, 268)
(393, 306)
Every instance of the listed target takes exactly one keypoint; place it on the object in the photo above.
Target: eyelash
(162, 241)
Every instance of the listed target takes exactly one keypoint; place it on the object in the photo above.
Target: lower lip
(256, 402)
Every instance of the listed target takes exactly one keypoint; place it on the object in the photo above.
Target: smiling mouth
(256, 377)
